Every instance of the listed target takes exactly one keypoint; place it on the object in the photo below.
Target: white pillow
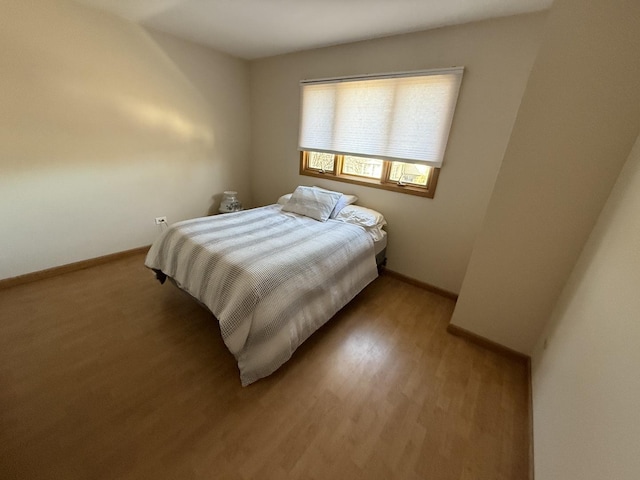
(365, 217)
(312, 202)
(284, 198)
(343, 202)
(376, 233)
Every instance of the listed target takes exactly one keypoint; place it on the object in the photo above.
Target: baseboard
(488, 344)
(418, 283)
(70, 267)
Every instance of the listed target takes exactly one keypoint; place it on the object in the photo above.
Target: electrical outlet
(161, 220)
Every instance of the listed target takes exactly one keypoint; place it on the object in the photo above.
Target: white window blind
(404, 116)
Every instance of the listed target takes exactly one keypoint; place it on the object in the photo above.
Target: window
(372, 172)
(388, 131)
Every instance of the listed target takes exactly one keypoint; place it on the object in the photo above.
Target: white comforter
(270, 278)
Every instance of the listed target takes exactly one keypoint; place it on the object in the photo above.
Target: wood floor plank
(106, 374)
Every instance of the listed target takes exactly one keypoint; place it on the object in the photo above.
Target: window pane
(361, 166)
(321, 161)
(409, 173)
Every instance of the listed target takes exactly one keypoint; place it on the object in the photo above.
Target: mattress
(381, 244)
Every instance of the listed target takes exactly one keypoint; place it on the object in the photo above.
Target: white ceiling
(259, 28)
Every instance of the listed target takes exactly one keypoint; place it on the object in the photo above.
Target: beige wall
(578, 120)
(429, 239)
(104, 127)
(585, 383)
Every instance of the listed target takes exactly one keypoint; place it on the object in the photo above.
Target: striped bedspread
(271, 278)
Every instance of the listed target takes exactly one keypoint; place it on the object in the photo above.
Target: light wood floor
(105, 374)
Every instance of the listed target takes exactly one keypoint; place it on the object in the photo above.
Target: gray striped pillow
(312, 202)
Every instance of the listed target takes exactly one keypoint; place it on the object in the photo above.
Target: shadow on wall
(80, 85)
(215, 204)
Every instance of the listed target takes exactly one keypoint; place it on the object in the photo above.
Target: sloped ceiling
(253, 29)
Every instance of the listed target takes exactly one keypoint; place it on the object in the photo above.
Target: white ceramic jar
(230, 202)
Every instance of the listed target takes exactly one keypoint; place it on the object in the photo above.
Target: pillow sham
(365, 217)
(343, 202)
(312, 202)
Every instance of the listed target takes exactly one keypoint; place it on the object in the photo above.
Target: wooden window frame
(383, 183)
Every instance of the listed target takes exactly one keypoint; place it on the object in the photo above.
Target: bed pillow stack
(343, 201)
(321, 204)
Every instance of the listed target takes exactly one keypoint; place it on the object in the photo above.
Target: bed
(271, 275)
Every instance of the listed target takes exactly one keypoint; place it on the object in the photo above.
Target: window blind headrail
(375, 76)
